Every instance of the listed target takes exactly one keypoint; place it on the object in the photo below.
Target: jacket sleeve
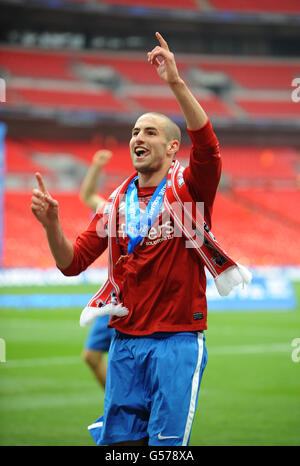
(203, 174)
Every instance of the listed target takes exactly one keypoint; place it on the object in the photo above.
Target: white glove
(90, 314)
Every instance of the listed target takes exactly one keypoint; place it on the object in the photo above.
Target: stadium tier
(256, 6)
(238, 6)
(256, 206)
(36, 63)
(284, 204)
(266, 108)
(213, 105)
(254, 236)
(132, 69)
(118, 83)
(249, 234)
(101, 101)
(260, 164)
(24, 243)
(251, 73)
(19, 162)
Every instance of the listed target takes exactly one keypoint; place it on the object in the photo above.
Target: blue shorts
(100, 336)
(152, 388)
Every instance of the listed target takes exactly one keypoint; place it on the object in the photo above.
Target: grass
(250, 392)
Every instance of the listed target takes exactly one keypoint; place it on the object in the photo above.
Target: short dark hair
(172, 130)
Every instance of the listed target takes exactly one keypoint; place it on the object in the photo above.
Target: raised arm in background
(88, 191)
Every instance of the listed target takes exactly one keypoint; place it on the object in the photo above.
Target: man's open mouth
(141, 152)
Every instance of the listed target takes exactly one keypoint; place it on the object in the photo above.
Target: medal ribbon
(137, 228)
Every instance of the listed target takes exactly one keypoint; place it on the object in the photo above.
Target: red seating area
(253, 163)
(37, 63)
(214, 106)
(134, 69)
(250, 236)
(69, 89)
(25, 243)
(239, 6)
(97, 101)
(284, 203)
(255, 74)
(253, 237)
(253, 6)
(273, 109)
(260, 163)
(256, 225)
(18, 161)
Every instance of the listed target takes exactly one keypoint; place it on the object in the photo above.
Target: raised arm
(45, 210)
(163, 59)
(88, 191)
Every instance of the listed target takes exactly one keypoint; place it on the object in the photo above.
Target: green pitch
(250, 392)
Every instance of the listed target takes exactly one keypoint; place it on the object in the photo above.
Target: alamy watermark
(185, 221)
(296, 92)
(2, 90)
(2, 350)
(296, 351)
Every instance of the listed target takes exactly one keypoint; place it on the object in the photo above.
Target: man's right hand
(43, 206)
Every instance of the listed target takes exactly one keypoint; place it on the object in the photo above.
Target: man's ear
(173, 147)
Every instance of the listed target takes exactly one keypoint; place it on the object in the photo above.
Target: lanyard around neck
(137, 228)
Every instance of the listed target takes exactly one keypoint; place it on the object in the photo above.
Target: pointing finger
(41, 183)
(162, 41)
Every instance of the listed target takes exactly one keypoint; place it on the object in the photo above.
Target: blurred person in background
(99, 337)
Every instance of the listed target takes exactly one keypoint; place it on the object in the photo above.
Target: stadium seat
(247, 233)
(133, 68)
(265, 108)
(258, 164)
(24, 238)
(214, 106)
(250, 73)
(37, 63)
(257, 6)
(284, 203)
(70, 99)
(251, 236)
(18, 161)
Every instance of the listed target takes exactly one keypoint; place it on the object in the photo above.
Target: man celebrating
(156, 284)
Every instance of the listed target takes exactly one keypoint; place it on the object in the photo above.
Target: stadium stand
(24, 245)
(249, 6)
(213, 104)
(283, 204)
(255, 6)
(36, 63)
(253, 236)
(250, 233)
(262, 166)
(102, 83)
(261, 198)
(274, 108)
(256, 207)
(100, 100)
(251, 73)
